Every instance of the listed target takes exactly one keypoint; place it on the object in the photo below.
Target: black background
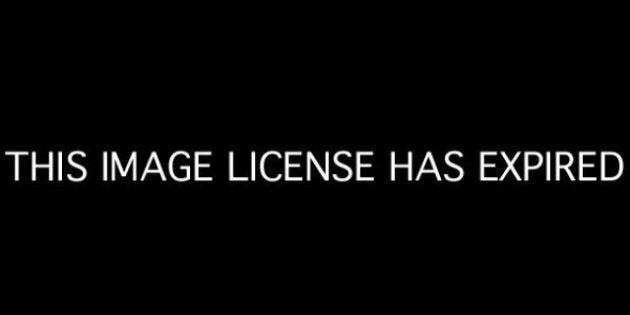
(315, 81)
